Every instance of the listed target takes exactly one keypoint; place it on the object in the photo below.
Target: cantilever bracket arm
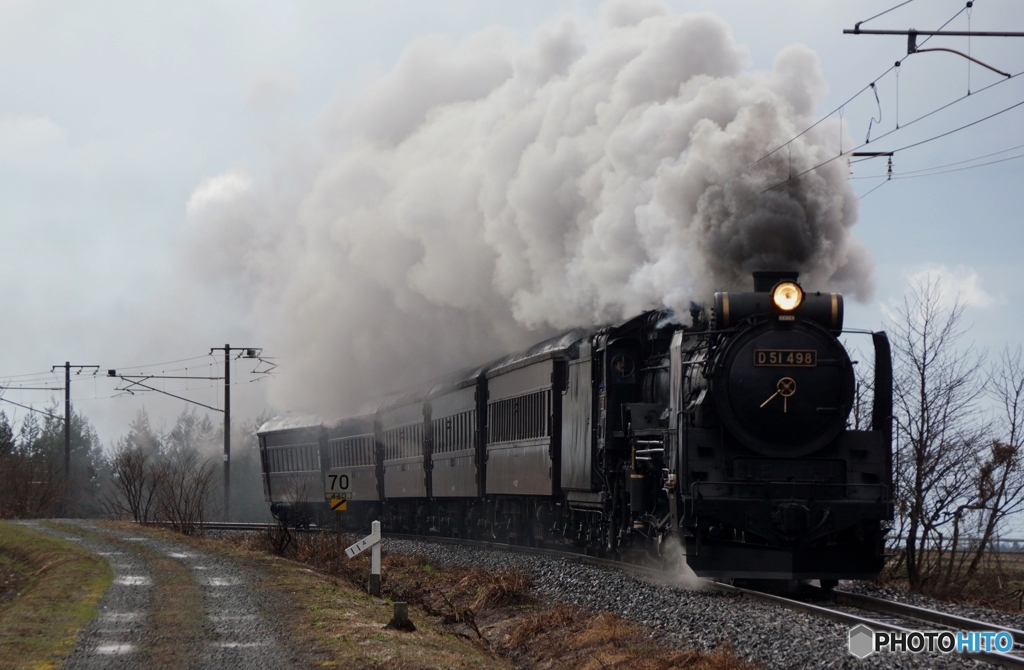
(138, 382)
(960, 53)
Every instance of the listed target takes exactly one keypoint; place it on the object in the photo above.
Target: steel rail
(867, 603)
(920, 613)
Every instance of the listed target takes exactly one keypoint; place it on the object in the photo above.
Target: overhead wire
(963, 127)
(860, 23)
(903, 148)
(961, 169)
(33, 409)
(873, 190)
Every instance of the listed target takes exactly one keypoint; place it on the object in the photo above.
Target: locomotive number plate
(800, 358)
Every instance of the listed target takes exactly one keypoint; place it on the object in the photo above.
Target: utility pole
(227, 432)
(247, 352)
(67, 424)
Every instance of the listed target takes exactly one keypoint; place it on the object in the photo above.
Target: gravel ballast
(765, 634)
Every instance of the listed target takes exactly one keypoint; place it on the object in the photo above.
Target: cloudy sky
(177, 176)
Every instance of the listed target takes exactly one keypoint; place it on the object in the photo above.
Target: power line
(858, 24)
(969, 167)
(909, 146)
(33, 409)
(963, 127)
(873, 190)
(39, 375)
(153, 365)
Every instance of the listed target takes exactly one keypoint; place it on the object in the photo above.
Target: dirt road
(170, 605)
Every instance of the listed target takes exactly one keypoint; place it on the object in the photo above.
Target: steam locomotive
(731, 436)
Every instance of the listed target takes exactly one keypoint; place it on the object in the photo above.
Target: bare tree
(185, 488)
(133, 467)
(936, 388)
(184, 478)
(1000, 478)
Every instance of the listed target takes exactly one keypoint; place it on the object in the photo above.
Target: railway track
(843, 607)
(853, 609)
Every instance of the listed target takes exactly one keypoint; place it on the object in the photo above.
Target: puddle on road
(122, 616)
(115, 649)
(237, 645)
(133, 580)
(180, 555)
(110, 553)
(223, 581)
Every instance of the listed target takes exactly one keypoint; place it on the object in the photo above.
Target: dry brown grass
(568, 637)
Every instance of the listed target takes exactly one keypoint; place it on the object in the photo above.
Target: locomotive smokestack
(766, 280)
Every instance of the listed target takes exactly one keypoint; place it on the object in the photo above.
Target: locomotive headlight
(787, 296)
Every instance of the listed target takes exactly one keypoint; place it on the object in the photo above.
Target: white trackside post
(371, 541)
(375, 561)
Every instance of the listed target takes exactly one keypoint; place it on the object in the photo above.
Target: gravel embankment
(765, 634)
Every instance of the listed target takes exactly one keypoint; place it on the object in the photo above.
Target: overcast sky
(120, 120)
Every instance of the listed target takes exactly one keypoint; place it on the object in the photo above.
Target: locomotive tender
(730, 435)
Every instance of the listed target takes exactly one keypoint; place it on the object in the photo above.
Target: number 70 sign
(337, 486)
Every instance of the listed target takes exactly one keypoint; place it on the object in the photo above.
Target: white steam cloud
(485, 194)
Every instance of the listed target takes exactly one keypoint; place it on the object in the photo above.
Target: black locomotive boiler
(730, 436)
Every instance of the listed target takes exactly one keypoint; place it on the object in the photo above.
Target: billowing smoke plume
(485, 194)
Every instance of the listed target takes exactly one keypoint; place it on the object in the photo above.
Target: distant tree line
(148, 475)
(32, 478)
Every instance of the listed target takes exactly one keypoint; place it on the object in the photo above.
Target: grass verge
(58, 597)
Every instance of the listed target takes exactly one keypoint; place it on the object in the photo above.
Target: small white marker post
(370, 541)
